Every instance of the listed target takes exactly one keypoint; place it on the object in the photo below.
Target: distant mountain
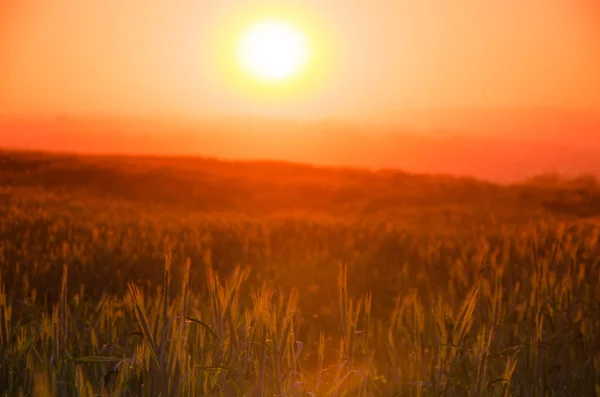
(502, 145)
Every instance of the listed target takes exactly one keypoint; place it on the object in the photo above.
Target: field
(126, 276)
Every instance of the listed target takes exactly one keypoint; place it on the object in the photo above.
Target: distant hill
(500, 145)
(183, 184)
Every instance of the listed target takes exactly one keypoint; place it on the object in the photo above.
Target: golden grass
(119, 299)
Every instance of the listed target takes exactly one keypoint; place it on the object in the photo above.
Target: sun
(273, 50)
(273, 53)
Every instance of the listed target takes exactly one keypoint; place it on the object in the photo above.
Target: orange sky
(155, 56)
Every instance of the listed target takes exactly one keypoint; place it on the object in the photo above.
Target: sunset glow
(317, 81)
(300, 197)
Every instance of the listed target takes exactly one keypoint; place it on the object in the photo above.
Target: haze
(392, 63)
